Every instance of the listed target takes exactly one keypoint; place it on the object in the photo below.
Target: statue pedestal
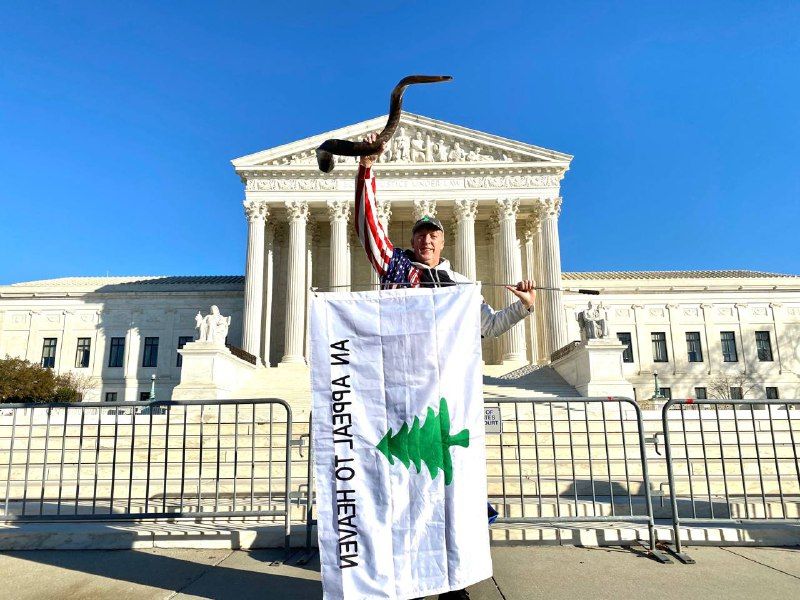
(210, 372)
(594, 368)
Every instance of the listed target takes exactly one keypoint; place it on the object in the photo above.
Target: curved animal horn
(328, 148)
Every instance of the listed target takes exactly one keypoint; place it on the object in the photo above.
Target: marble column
(312, 243)
(531, 233)
(269, 261)
(492, 294)
(297, 214)
(538, 275)
(465, 262)
(339, 215)
(513, 342)
(424, 207)
(384, 213)
(555, 327)
(256, 212)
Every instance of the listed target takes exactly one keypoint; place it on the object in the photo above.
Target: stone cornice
(497, 169)
(262, 182)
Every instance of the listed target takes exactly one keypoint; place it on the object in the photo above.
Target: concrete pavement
(522, 572)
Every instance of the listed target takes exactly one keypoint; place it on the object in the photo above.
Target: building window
(49, 353)
(772, 393)
(111, 396)
(763, 346)
(625, 338)
(144, 396)
(150, 357)
(700, 393)
(82, 353)
(736, 393)
(694, 348)
(729, 347)
(665, 392)
(117, 353)
(659, 339)
(182, 341)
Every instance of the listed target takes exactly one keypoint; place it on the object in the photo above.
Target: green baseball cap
(428, 222)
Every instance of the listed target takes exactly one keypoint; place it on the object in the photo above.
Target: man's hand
(524, 290)
(367, 161)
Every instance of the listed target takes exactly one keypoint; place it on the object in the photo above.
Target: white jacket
(493, 322)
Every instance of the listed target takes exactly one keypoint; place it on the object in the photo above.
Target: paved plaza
(521, 573)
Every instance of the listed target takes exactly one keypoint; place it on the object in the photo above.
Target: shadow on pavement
(253, 576)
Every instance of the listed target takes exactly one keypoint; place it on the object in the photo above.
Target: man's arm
(496, 322)
(370, 231)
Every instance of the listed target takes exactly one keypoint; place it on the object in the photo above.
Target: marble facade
(500, 200)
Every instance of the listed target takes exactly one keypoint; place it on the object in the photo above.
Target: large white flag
(399, 442)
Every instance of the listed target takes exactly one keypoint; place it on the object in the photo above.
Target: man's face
(427, 244)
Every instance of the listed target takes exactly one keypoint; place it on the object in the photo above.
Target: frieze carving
(760, 311)
(290, 185)
(691, 312)
(424, 184)
(622, 313)
(657, 313)
(512, 181)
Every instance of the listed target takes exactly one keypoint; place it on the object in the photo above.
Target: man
(423, 265)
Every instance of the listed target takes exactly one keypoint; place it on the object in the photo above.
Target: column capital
(531, 228)
(507, 209)
(493, 226)
(550, 207)
(339, 209)
(423, 208)
(465, 208)
(313, 235)
(383, 210)
(297, 210)
(255, 209)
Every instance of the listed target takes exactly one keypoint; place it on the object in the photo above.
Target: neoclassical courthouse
(500, 201)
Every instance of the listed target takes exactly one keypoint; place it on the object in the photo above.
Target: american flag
(392, 264)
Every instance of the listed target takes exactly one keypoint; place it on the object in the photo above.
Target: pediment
(418, 140)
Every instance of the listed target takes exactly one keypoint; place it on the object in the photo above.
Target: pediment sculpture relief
(411, 145)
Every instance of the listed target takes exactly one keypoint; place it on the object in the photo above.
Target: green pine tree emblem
(429, 443)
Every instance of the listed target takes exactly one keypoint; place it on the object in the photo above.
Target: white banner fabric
(399, 442)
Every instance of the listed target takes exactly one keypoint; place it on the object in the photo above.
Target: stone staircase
(292, 383)
(527, 381)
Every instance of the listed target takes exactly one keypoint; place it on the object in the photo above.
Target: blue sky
(118, 120)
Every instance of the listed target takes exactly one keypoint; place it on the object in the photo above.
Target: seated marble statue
(213, 327)
(593, 322)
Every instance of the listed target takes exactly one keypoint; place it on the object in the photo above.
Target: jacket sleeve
(370, 232)
(496, 322)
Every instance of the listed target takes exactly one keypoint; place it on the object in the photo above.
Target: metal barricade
(161, 459)
(570, 460)
(562, 460)
(731, 461)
